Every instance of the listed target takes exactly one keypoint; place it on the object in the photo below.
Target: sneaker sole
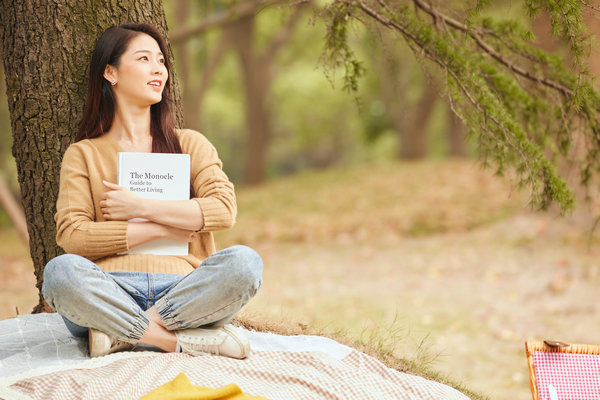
(94, 345)
(98, 349)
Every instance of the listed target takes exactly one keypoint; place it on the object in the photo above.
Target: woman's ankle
(156, 335)
(154, 316)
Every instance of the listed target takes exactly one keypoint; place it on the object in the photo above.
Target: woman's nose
(158, 68)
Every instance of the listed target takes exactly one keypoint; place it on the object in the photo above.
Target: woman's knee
(249, 266)
(237, 269)
(60, 274)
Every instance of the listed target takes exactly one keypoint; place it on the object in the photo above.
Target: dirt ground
(460, 298)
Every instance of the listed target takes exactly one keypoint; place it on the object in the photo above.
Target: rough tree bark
(46, 46)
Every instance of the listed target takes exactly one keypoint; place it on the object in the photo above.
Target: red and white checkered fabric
(574, 376)
(273, 374)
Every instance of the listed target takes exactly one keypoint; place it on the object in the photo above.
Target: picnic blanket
(39, 359)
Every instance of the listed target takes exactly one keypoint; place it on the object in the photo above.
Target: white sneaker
(101, 344)
(227, 341)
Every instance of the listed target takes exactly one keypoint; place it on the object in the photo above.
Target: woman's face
(141, 74)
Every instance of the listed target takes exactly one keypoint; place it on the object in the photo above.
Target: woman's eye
(144, 58)
(162, 61)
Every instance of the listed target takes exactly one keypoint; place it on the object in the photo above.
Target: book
(157, 176)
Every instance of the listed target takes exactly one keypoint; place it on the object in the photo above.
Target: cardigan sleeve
(78, 229)
(212, 189)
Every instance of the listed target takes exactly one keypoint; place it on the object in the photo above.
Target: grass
(384, 200)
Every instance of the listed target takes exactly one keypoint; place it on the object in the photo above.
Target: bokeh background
(374, 216)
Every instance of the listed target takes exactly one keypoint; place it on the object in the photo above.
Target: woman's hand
(119, 204)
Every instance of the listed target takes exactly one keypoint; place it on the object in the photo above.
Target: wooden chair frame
(554, 347)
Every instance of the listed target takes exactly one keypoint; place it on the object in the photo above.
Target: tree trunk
(456, 135)
(413, 134)
(258, 71)
(46, 47)
(593, 26)
(182, 11)
(208, 70)
(396, 78)
(256, 82)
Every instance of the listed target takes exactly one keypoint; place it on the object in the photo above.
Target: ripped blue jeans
(115, 302)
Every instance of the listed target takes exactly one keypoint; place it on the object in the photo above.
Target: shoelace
(206, 348)
(202, 347)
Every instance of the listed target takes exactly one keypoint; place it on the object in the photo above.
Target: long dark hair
(99, 108)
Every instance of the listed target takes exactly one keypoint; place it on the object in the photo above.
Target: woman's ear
(110, 74)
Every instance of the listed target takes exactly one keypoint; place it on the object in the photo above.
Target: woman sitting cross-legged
(176, 303)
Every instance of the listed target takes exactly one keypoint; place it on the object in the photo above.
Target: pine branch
(590, 6)
(447, 68)
(497, 108)
(520, 102)
(490, 50)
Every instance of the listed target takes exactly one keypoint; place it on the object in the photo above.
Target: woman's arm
(214, 193)
(142, 232)
(120, 204)
(212, 208)
(77, 229)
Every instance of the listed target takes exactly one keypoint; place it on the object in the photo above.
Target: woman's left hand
(119, 204)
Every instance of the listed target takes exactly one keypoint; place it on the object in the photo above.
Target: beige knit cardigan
(82, 230)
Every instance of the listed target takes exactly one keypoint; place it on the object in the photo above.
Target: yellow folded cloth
(181, 388)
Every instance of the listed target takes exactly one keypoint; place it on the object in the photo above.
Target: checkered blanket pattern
(273, 374)
(575, 376)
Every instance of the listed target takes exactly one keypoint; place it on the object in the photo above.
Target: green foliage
(337, 52)
(521, 104)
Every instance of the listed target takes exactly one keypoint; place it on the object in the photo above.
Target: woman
(175, 303)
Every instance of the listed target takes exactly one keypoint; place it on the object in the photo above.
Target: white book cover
(157, 176)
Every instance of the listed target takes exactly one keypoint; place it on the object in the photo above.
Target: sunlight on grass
(378, 202)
